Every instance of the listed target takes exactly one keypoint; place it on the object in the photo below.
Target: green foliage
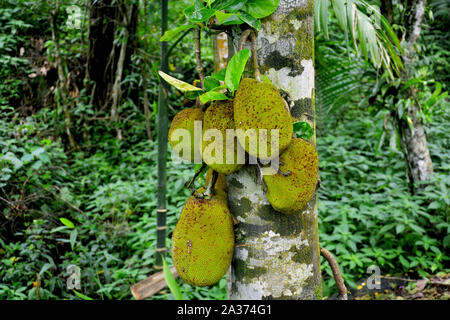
(98, 216)
(171, 283)
(235, 68)
(366, 213)
(303, 130)
(231, 12)
(213, 89)
(95, 207)
(370, 32)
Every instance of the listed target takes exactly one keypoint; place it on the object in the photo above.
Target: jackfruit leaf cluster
(213, 89)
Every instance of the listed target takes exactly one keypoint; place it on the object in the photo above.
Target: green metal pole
(162, 148)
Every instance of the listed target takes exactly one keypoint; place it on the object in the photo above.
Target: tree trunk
(62, 101)
(413, 134)
(100, 64)
(103, 56)
(276, 255)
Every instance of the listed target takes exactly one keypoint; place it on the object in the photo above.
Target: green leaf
(303, 130)
(261, 8)
(170, 34)
(73, 238)
(229, 5)
(171, 283)
(321, 16)
(220, 75)
(212, 95)
(249, 19)
(82, 296)
(404, 262)
(180, 85)
(386, 228)
(209, 2)
(222, 16)
(45, 267)
(399, 228)
(233, 19)
(198, 15)
(192, 95)
(434, 205)
(67, 222)
(446, 241)
(210, 83)
(235, 68)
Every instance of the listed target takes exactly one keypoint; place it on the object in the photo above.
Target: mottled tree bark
(420, 166)
(276, 255)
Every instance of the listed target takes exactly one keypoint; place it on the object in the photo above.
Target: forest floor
(403, 288)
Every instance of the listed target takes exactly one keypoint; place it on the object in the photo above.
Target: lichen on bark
(277, 256)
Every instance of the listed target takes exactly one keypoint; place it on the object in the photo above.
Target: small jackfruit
(259, 106)
(219, 116)
(289, 194)
(203, 240)
(185, 119)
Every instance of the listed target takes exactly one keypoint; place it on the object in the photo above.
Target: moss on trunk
(276, 255)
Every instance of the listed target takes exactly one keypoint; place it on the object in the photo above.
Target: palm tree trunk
(277, 256)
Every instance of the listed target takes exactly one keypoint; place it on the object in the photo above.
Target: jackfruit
(185, 119)
(203, 241)
(219, 116)
(259, 105)
(289, 194)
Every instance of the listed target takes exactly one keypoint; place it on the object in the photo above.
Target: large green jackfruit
(290, 194)
(259, 105)
(219, 116)
(203, 241)
(185, 119)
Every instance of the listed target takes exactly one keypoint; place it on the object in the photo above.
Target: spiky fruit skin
(185, 120)
(290, 194)
(219, 116)
(259, 105)
(203, 241)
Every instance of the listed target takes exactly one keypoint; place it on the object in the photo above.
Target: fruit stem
(254, 48)
(189, 184)
(198, 58)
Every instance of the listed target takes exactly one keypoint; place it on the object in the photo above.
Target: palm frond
(371, 33)
(441, 9)
(341, 82)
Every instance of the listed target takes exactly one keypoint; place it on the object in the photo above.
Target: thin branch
(198, 57)
(169, 51)
(189, 184)
(254, 48)
(336, 273)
